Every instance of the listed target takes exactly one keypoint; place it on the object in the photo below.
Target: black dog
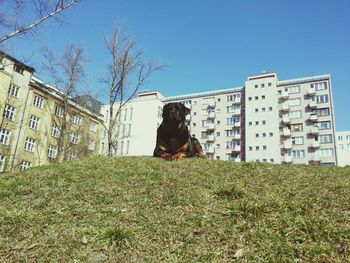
(174, 141)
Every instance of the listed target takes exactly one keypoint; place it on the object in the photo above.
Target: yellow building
(34, 128)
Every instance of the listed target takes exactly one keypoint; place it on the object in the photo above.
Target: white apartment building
(137, 125)
(342, 139)
(267, 120)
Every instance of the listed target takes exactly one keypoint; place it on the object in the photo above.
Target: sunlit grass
(149, 210)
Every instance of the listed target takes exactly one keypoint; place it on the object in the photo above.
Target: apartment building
(342, 139)
(266, 120)
(136, 125)
(32, 117)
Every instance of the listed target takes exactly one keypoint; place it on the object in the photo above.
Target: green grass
(150, 210)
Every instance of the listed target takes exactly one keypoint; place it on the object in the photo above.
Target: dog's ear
(165, 110)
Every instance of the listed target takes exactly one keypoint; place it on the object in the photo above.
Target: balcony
(314, 130)
(315, 158)
(237, 124)
(287, 144)
(312, 104)
(210, 126)
(285, 119)
(210, 150)
(237, 148)
(236, 112)
(284, 95)
(285, 106)
(311, 91)
(287, 159)
(313, 117)
(237, 137)
(286, 132)
(315, 144)
(211, 105)
(211, 138)
(211, 115)
(237, 101)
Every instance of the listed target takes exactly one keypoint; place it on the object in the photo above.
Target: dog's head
(174, 113)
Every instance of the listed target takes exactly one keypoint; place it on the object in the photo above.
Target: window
(324, 125)
(250, 123)
(77, 119)
(256, 122)
(74, 137)
(324, 153)
(250, 148)
(5, 136)
(2, 163)
(294, 102)
(264, 147)
(92, 126)
(38, 102)
(131, 112)
(264, 134)
(293, 89)
(233, 97)
(298, 140)
(348, 137)
(233, 132)
(257, 148)
(34, 122)
(52, 151)
(55, 131)
(269, 84)
(208, 101)
(249, 98)
(327, 138)
(18, 69)
(125, 114)
(59, 111)
(256, 135)
(322, 112)
(25, 165)
(13, 90)
(295, 114)
(232, 108)
(263, 122)
(262, 85)
(256, 97)
(232, 144)
(271, 134)
(319, 85)
(296, 127)
(256, 86)
(29, 144)
(263, 97)
(322, 99)
(9, 112)
(256, 110)
(91, 145)
(296, 153)
(270, 108)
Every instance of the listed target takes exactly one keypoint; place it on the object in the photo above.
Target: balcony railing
(210, 138)
(311, 91)
(312, 104)
(285, 119)
(313, 117)
(284, 94)
(287, 144)
(286, 132)
(314, 130)
(286, 159)
(315, 144)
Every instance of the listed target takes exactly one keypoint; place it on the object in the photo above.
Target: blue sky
(211, 44)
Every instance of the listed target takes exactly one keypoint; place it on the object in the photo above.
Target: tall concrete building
(266, 120)
(342, 139)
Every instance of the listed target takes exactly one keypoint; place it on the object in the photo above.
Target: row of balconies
(287, 133)
(287, 144)
(312, 117)
(285, 95)
(288, 159)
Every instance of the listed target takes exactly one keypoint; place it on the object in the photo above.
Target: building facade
(342, 139)
(31, 121)
(266, 120)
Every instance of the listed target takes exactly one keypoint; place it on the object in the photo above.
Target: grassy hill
(150, 210)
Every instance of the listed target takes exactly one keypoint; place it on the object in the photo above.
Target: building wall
(136, 126)
(32, 124)
(342, 139)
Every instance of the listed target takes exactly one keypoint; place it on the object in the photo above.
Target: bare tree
(127, 72)
(66, 73)
(15, 22)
